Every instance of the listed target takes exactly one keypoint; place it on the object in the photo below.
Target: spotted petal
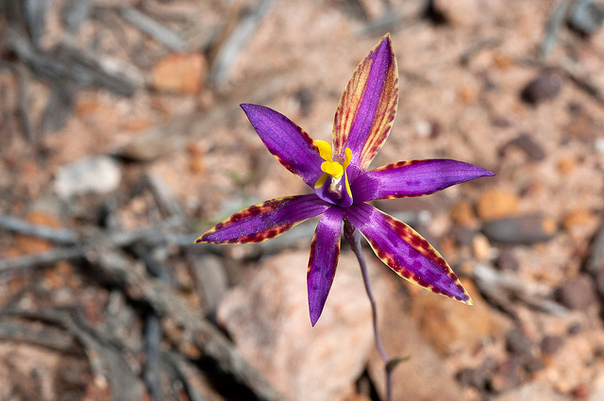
(324, 254)
(286, 141)
(413, 178)
(367, 107)
(406, 252)
(265, 220)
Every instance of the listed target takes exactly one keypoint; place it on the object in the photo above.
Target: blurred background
(121, 141)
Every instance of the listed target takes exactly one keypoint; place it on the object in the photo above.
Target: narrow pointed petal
(367, 107)
(286, 141)
(413, 178)
(406, 252)
(265, 220)
(324, 254)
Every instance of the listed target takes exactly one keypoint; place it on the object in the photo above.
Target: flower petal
(324, 254)
(406, 252)
(413, 178)
(265, 220)
(367, 107)
(286, 141)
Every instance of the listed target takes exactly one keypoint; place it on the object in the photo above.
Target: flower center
(333, 184)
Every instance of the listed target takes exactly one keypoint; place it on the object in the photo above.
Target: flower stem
(353, 237)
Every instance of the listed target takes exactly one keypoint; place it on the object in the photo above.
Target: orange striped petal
(367, 107)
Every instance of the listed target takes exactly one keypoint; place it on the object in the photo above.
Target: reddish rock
(267, 318)
(182, 73)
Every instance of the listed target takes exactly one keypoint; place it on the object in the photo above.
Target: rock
(578, 217)
(526, 144)
(462, 213)
(586, 17)
(181, 73)
(95, 174)
(481, 248)
(495, 202)
(267, 318)
(413, 379)
(551, 344)
(448, 324)
(577, 293)
(535, 391)
(544, 87)
(518, 343)
(506, 260)
(529, 229)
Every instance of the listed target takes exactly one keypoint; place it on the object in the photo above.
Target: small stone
(517, 342)
(526, 144)
(577, 217)
(582, 127)
(577, 293)
(551, 344)
(95, 174)
(179, 72)
(506, 260)
(580, 392)
(481, 248)
(462, 213)
(546, 86)
(529, 229)
(566, 165)
(586, 17)
(496, 202)
(477, 378)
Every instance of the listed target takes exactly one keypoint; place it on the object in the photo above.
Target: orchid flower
(342, 186)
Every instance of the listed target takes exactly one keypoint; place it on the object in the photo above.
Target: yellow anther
(324, 149)
(334, 169)
(347, 157)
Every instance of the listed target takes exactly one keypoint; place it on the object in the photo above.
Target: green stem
(354, 239)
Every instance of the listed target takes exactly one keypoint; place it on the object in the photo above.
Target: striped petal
(324, 254)
(286, 141)
(406, 252)
(413, 178)
(265, 220)
(367, 107)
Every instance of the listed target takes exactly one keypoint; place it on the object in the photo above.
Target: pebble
(516, 342)
(577, 217)
(586, 17)
(545, 86)
(463, 214)
(506, 260)
(448, 325)
(180, 73)
(526, 144)
(577, 293)
(527, 229)
(496, 202)
(551, 344)
(94, 174)
(481, 248)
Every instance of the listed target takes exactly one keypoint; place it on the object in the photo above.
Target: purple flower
(342, 186)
